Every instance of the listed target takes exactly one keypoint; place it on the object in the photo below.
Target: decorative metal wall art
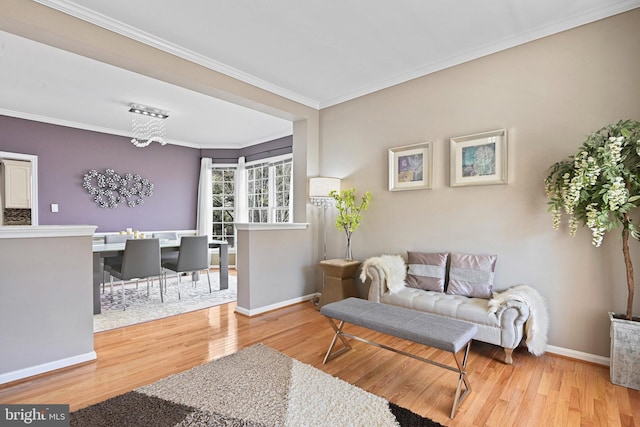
(111, 189)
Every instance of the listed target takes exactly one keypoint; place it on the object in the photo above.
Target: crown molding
(85, 126)
(127, 134)
(118, 27)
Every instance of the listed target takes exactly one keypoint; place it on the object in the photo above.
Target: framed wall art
(411, 167)
(479, 159)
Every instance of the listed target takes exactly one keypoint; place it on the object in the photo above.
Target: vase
(348, 255)
(625, 352)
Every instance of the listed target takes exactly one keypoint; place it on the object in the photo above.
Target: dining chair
(141, 260)
(167, 255)
(112, 260)
(193, 256)
(169, 235)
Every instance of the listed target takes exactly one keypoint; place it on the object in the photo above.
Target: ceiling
(317, 53)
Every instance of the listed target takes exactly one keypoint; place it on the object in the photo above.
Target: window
(223, 195)
(282, 191)
(258, 192)
(269, 191)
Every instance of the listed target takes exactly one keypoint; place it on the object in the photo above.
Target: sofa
(441, 284)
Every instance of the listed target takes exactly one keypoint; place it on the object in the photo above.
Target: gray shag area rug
(143, 308)
(255, 387)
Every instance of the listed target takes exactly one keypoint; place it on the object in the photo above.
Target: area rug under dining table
(143, 308)
(255, 387)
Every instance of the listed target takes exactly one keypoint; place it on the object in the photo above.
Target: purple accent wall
(66, 154)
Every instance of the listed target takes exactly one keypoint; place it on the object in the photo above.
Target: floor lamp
(320, 189)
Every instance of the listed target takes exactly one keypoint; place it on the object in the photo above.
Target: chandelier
(148, 125)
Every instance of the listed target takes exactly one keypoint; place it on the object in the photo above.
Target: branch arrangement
(599, 187)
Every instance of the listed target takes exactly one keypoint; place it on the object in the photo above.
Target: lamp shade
(321, 186)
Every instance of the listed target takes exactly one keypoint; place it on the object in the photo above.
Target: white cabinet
(17, 184)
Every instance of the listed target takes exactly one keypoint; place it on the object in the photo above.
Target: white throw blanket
(537, 326)
(393, 267)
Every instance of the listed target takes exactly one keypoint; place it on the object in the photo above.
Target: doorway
(33, 159)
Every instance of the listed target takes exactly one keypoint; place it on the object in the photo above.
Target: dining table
(103, 250)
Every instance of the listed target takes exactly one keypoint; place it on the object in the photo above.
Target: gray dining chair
(112, 260)
(141, 260)
(192, 257)
(167, 255)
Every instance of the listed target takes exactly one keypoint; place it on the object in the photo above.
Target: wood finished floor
(534, 391)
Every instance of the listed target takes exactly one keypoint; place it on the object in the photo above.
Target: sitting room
(460, 127)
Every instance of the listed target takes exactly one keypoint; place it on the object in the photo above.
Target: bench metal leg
(462, 378)
(338, 334)
(460, 370)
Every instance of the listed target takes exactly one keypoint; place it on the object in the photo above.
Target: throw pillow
(471, 275)
(427, 270)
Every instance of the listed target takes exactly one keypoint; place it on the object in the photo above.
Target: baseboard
(46, 367)
(261, 310)
(574, 354)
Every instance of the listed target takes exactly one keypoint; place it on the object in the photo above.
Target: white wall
(275, 266)
(548, 94)
(46, 299)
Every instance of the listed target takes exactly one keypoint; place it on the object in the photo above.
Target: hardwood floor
(534, 391)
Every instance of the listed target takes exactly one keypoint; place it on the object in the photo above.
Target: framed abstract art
(411, 167)
(479, 159)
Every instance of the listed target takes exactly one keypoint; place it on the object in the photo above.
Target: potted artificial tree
(349, 214)
(600, 187)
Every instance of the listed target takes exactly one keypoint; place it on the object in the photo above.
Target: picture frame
(479, 159)
(411, 167)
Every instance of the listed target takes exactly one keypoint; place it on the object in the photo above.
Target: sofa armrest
(378, 285)
(512, 315)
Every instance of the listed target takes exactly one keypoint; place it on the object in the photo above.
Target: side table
(338, 283)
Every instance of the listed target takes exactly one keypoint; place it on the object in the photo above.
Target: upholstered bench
(434, 331)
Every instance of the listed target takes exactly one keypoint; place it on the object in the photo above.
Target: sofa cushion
(473, 310)
(471, 275)
(426, 270)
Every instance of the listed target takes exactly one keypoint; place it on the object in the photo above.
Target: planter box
(625, 352)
